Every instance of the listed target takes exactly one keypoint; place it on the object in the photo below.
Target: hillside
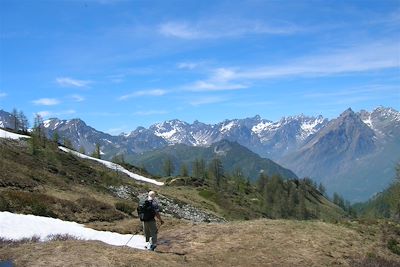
(385, 204)
(334, 152)
(88, 191)
(53, 183)
(232, 155)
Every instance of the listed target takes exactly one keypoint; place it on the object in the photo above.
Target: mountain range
(353, 154)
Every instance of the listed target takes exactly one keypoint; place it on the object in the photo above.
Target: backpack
(146, 211)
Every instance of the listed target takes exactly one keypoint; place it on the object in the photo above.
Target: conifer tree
(56, 137)
(184, 170)
(82, 150)
(15, 120)
(23, 121)
(97, 153)
(217, 171)
(169, 167)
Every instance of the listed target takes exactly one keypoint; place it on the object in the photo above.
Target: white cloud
(202, 86)
(153, 92)
(116, 131)
(187, 65)
(218, 81)
(356, 58)
(2, 94)
(46, 101)
(46, 113)
(216, 28)
(150, 112)
(69, 82)
(77, 98)
(207, 100)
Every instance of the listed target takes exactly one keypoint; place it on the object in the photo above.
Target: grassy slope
(236, 156)
(251, 243)
(61, 179)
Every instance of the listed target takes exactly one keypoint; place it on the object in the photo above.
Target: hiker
(147, 211)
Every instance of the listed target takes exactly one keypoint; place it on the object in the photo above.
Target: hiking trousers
(150, 232)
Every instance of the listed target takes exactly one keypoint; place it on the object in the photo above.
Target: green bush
(393, 245)
(4, 206)
(207, 194)
(125, 207)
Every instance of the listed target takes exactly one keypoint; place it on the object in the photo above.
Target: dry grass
(252, 243)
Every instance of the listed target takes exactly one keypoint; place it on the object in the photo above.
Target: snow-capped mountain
(272, 139)
(6, 119)
(355, 154)
(362, 146)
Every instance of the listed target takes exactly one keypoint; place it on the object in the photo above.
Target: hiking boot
(152, 247)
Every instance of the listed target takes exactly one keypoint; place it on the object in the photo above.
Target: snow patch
(167, 135)
(9, 135)
(19, 226)
(113, 166)
(262, 126)
(46, 123)
(368, 122)
(227, 127)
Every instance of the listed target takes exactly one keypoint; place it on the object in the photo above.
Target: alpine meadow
(200, 133)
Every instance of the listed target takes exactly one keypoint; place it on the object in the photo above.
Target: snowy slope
(19, 226)
(113, 166)
(5, 134)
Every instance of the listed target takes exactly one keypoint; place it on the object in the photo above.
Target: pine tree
(184, 170)
(56, 137)
(82, 150)
(217, 171)
(322, 189)
(15, 120)
(199, 169)
(67, 143)
(97, 153)
(24, 123)
(169, 167)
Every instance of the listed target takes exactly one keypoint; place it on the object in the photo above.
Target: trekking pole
(129, 240)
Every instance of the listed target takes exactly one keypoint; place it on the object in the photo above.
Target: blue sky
(122, 64)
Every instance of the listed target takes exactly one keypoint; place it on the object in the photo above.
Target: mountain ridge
(367, 136)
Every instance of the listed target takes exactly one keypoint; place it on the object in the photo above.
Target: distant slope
(233, 157)
(354, 154)
(385, 204)
(335, 152)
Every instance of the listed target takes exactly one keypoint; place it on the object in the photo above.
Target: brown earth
(245, 243)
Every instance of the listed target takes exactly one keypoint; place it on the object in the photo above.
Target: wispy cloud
(69, 82)
(116, 131)
(354, 95)
(202, 86)
(46, 101)
(2, 94)
(77, 98)
(105, 114)
(216, 28)
(187, 65)
(44, 113)
(47, 114)
(152, 92)
(357, 58)
(150, 112)
(369, 89)
(218, 81)
(207, 100)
